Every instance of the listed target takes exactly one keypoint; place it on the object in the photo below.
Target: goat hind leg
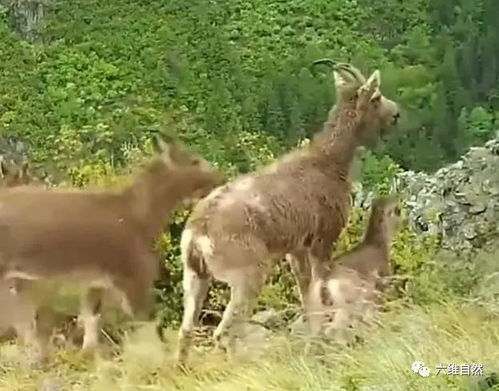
(195, 291)
(242, 296)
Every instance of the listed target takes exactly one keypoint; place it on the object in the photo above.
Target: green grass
(442, 334)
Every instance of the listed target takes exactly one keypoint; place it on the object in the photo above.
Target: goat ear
(165, 149)
(373, 83)
(167, 138)
(159, 144)
(155, 144)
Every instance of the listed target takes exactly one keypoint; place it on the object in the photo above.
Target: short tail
(160, 333)
(192, 257)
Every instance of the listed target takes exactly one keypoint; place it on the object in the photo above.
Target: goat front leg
(320, 267)
(300, 268)
(33, 323)
(90, 315)
(338, 329)
(34, 332)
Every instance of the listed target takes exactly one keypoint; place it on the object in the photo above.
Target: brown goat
(103, 239)
(10, 175)
(13, 174)
(350, 290)
(297, 206)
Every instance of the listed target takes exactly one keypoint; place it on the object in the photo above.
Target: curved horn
(342, 66)
(327, 61)
(352, 71)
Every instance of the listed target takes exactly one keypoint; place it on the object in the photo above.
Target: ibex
(297, 206)
(101, 238)
(11, 175)
(350, 290)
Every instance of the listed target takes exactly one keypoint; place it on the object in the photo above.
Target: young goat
(350, 290)
(296, 206)
(101, 238)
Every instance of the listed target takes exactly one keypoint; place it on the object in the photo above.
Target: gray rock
(254, 343)
(459, 203)
(298, 326)
(269, 318)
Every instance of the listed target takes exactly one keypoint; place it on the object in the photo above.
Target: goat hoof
(88, 352)
(37, 362)
(184, 368)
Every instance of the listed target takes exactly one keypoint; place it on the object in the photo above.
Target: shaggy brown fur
(101, 238)
(351, 289)
(12, 311)
(10, 175)
(296, 206)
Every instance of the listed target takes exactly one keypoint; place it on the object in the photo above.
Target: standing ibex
(296, 206)
(350, 290)
(102, 238)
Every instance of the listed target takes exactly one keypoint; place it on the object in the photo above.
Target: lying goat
(350, 291)
(103, 239)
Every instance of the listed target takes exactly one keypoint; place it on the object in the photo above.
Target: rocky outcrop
(26, 16)
(459, 203)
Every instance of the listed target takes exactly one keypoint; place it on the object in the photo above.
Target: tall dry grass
(450, 332)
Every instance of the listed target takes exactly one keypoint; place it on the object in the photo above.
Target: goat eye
(397, 211)
(376, 98)
(196, 162)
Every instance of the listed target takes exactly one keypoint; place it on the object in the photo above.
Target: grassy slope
(446, 333)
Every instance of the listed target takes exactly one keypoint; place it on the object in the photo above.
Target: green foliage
(479, 123)
(234, 69)
(378, 173)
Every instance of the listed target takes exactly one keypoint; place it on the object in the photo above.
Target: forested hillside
(235, 77)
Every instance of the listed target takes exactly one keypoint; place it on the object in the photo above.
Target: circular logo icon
(424, 371)
(416, 366)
